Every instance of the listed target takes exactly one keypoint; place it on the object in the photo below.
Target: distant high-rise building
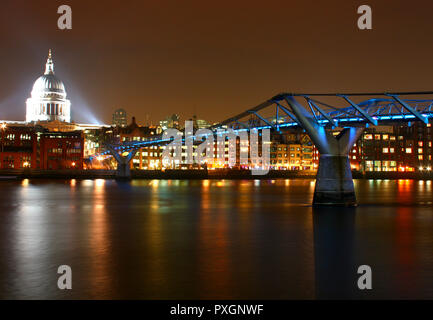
(119, 118)
(200, 123)
(170, 122)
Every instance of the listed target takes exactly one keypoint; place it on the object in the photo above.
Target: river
(213, 239)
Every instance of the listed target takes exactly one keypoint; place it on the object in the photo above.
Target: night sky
(210, 58)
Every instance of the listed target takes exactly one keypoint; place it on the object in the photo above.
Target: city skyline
(205, 156)
(155, 60)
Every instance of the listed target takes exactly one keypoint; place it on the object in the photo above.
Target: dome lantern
(49, 66)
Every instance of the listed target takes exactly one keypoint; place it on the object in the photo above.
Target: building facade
(61, 150)
(394, 148)
(120, 118)
(146, 157)
(18, 147)
(34, 147)
(170, 122)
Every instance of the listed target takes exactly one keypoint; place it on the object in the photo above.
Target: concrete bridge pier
(334, 183)
(123, 163)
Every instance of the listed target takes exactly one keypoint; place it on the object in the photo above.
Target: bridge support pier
(334, 183)
(123, 163)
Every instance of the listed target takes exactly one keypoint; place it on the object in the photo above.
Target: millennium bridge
(317, 114)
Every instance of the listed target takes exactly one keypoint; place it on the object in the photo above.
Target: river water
(213, 239)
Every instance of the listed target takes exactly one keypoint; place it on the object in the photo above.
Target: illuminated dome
(48, 85)
(48, 98)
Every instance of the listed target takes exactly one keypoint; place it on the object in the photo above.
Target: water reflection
(180, 239)
(100, 250)
(334, 248)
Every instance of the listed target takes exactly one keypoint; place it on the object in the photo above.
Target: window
(26, 161)
(368, 137)
(369, 165)
(408, 150)
(25, 137)
(385, 150)
(8, 162)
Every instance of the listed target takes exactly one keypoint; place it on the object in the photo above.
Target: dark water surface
(151, 239)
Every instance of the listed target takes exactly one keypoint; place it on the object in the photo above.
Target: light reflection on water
(205, 239)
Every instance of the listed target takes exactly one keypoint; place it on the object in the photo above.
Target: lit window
(368, 137)
(408, 150)
(420, 157)
(420, 143)
(419, 150)
(385, 150)
(385, 137)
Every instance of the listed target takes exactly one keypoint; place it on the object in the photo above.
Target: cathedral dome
(48, 85)
(48, 98)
